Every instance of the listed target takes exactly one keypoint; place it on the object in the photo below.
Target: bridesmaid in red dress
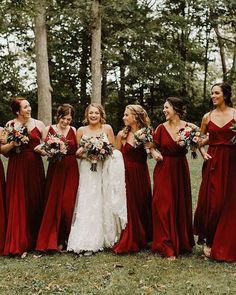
(172, 203)
(2, 200)
(24, 183)
(138, 231)
(61, 187)
(215, 216)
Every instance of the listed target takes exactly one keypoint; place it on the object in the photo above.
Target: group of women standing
(83, 211)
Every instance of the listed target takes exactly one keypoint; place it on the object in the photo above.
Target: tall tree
(96, 51)
(43, 78)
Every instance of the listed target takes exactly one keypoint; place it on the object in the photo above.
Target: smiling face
(94, 115)
(65, 121)
(25, 109)
(168, 111)
(128, 118)
(217, 96)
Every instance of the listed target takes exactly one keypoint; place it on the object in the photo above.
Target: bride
(100, 211)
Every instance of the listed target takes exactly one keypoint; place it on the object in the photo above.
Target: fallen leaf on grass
(117, 265)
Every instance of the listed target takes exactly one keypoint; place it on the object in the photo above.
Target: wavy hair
(100, 109)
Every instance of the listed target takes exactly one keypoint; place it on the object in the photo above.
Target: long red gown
(24, 197)
(138, 231)
(61, 187)
(215, 216)
(2, 209)
(172, 203)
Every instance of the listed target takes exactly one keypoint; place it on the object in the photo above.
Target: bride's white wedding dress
(100, 211)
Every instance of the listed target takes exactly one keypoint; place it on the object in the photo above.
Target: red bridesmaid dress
(24, 197)
(215, 216)
(172, 202)
(61, 187)
(138, 231)
(2, 209)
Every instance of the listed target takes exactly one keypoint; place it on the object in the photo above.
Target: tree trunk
(96, 51)
(222, 52)
(83, 72)
(206, 62)
(43, 78)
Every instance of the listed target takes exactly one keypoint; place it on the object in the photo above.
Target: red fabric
(215, 216)
(61, 188)
(138, 231)
(24, 197)
(2, 209)
(172, 204)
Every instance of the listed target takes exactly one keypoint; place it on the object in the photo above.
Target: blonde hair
(140, 115)
(101, 111)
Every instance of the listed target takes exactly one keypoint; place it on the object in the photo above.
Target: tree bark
(96, 51)
(222, 52)
(43, 78)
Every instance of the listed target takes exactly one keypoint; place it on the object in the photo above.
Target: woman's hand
(205, 155)
(79, 152)
(156, 155)
(38, 149)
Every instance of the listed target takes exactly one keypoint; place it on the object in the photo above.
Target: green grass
(106, 273)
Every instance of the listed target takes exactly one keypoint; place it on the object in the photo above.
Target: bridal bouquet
(143, 136)
(189, 137)
(96, 149)
(233, 128)
(17, 133)
(55, 146)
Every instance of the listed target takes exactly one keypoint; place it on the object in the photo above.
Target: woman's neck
(94, 127)
(174, 122)
(221, 108)
(23, 120)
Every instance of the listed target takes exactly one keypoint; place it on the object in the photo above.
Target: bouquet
(55, 147)
(17, 133)
(96, 149)
(233, 128)
(189, 137)
(143, 136)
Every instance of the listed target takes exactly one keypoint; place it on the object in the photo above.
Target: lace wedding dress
(100, 211)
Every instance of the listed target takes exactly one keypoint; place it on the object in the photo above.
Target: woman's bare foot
(171, 258)
(207, 251)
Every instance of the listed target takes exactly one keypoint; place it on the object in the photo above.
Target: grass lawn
(106, 273)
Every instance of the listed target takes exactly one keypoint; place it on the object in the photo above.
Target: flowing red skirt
(2, 209)
(172, 207)
(61, 188)
(24, 201)
(138, 231)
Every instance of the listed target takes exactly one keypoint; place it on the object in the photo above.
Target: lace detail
(100, 211)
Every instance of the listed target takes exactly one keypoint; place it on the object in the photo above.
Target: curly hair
(100, 109)
(140, 115)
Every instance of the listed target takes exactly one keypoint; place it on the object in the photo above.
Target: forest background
(145, 50)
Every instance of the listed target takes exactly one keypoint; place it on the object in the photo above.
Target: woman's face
(94, 116)
(65, 121)
(129, 118)
(217, 96)
(168, 111)
(25, 109)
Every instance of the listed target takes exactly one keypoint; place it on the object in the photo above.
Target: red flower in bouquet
(233, 128)
(143, 136)
(189, 137)
(96, 149)
(55, 146)
(17, 133)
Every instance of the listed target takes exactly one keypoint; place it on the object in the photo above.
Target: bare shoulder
(120, 134)
(80, 130)
(107, 127)
(206, 118)
(39, 124)
(74, 129)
